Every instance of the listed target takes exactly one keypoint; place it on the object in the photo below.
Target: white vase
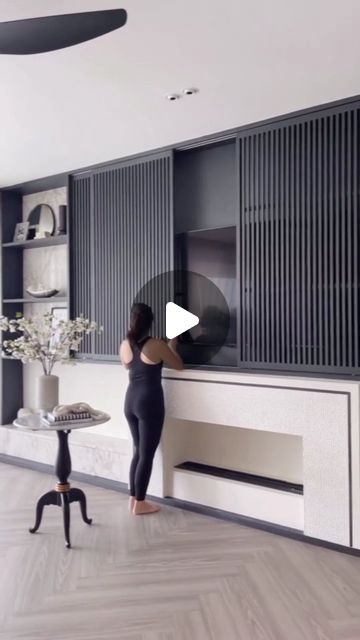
(47, 392)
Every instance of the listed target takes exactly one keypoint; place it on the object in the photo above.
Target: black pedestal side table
(63, 494)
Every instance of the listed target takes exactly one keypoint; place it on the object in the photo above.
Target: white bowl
(45, 293)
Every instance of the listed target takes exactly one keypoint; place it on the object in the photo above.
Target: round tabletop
(35, 422)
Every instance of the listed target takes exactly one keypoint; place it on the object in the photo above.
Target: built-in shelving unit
(47, 268)
(289, 189)
(289, 269)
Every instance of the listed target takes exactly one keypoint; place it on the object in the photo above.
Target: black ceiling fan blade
(49, 33)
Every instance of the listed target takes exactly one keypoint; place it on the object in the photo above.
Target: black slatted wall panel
(81, 252)
(299, 244)
(124, 214)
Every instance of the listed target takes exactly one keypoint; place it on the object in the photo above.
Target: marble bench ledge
(92, 453)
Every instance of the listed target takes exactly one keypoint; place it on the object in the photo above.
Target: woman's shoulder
(155, 345)
(157, 341)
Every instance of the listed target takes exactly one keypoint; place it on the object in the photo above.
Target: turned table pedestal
(63, 494)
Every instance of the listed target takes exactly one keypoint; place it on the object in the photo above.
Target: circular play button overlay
(189, 306)
(178, 320)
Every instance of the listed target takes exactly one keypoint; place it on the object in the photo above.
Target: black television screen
(212, 254)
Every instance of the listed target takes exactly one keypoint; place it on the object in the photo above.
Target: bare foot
(131, 502)
(142, 507)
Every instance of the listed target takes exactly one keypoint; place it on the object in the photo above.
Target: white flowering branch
(45, 338)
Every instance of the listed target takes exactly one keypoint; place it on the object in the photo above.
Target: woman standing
(144, 356)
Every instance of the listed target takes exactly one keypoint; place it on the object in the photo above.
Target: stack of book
(53, 419)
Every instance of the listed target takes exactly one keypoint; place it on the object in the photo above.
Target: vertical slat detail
(129, 218)
(300, 234)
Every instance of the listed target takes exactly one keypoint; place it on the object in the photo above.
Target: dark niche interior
(206, 246)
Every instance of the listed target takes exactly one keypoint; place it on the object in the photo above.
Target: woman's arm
(125, 353)
(170, 356)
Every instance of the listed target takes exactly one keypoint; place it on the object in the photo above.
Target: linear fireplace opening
(258, 474)
(241, 476)
(262, 453)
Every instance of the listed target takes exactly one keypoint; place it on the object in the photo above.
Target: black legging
(144, 411)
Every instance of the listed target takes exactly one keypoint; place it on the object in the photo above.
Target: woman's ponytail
(141, 318)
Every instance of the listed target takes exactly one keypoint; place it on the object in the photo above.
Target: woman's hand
(170, 356)
(172, 344)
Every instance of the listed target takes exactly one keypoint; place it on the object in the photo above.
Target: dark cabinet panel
(299, 238)
(11, 389)
(81, 255)
(11, 286)
(129, 231)
(12, 261)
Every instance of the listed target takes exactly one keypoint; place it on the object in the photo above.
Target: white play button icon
(178, 320)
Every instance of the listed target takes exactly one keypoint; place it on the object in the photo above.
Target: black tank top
(139, 371)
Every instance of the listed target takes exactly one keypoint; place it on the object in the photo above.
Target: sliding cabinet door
(299, 244)
(129, 230)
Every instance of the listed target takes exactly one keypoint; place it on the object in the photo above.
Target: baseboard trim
(115, 485)
(253, 523)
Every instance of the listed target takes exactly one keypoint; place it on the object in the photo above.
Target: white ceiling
(105, 98)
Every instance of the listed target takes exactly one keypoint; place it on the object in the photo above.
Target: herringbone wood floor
(173, 576)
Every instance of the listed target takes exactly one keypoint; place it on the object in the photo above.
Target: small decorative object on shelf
(61, 229)
(21, 231)
(42, 293)
(42, 221)
(48, 340)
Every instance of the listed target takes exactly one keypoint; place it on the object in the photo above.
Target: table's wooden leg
(52, 497)
(63, 494)
(77, 495)
(63, 459)
(66, 514)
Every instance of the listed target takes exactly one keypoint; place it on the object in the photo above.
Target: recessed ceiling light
(173, 96)
(190, 91)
